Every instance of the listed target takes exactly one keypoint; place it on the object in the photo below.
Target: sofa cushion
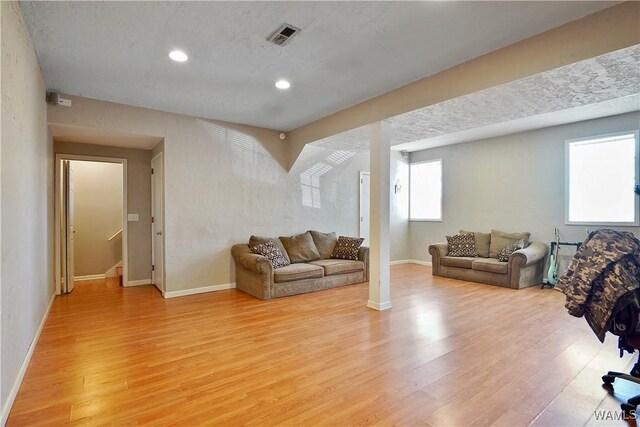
(483, 241)
(325, 242)
(347, 248)
(273, 253)
(300, 247)
(297, 271)
(505, 253)
(338, 266)
(462, 245)
(257, 240)
(491, 265)
(500, 239)
(457, 261)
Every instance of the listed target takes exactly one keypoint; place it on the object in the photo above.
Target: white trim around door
(58, 213)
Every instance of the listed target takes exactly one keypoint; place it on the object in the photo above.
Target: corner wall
(511, 183)
(27, 201)
(399, 209)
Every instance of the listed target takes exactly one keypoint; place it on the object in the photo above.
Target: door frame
(153, 253)
(362, 174)
(58, 213)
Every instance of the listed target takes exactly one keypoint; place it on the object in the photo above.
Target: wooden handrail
(115, 235)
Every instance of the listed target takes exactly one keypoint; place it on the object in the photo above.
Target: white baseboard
(411, 261)
(88, 277)
(23, 369)
(379, 306)
(201, 290)
(138, 282)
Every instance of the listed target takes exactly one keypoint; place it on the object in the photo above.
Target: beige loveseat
(256, 276)
(524, 268)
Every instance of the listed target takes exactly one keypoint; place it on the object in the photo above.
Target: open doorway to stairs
(91, 232)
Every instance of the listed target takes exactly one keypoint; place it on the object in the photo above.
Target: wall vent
(283, 34)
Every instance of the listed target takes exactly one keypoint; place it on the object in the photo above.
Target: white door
(157, 222)
(365, 193)
(69, 229)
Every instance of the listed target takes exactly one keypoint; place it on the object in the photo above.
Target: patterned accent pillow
(347, 248)
(272, 252)
(505, 253)
(462, 245)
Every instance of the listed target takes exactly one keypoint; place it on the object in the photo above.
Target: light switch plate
(133, 217)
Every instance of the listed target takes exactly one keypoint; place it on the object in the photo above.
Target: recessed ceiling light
(178, 55)
(283, 84)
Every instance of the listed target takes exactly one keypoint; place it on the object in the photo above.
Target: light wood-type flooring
(448, 353)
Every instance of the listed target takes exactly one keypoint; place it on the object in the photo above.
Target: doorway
(91, 231)
(365, 200)
(157, 222)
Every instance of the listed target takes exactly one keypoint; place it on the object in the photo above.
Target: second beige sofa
(524, 268)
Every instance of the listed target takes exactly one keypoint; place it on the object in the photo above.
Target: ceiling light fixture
(178, 56)
(283, 84)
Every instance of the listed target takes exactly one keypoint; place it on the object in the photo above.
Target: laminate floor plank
(449, 352)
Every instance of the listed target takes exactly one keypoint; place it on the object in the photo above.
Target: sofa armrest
(437, 251)
(254, 274)
(363, 255)
(532, 254)
(526, 266)
(246, 259)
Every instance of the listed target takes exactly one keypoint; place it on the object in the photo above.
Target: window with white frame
(600, 176)
(425, 191)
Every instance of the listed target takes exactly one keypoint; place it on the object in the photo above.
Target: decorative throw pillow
(269, 250)
(500, 239)
(505, 253)
(325, 242)
(300, 248)
(462, 245)
(258, 240)
(347, 248)
(483, 240)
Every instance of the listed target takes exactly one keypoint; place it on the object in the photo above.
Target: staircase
(119, 274)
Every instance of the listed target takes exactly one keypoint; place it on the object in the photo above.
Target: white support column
(379, 255)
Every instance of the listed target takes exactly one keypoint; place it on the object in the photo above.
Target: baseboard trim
(89, 277)
(201, 290)
(411, 261)
(138, 282)
(379, 306)
(23, 368)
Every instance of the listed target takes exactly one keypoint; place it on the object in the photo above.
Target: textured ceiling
(346, 53)
(597, 87)
(611, 76)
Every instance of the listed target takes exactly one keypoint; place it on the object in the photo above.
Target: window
(600, 177)
(425, 191)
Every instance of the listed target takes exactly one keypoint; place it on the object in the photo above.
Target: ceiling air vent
(283, 34)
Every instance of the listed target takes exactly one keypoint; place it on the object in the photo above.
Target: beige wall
(512, 183)
(98, 216)
(138, 199)
(222, 184)
(27, 200)
(399, 208)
